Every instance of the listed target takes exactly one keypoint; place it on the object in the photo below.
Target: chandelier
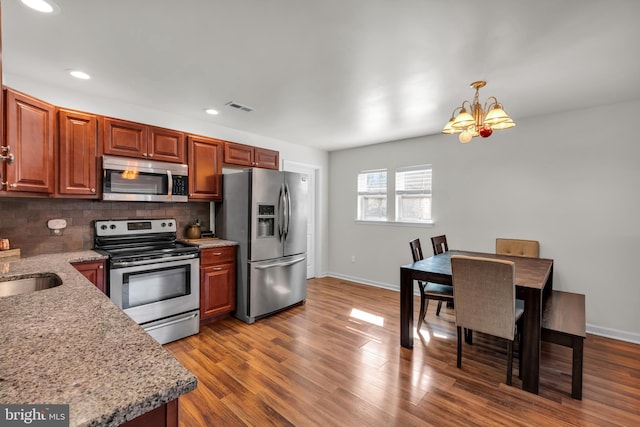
(478, 121)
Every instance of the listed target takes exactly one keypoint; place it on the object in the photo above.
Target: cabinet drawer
(217, 255)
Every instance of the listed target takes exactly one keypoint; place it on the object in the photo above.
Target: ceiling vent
(239, 106)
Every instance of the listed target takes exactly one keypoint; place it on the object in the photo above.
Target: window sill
(396, 223)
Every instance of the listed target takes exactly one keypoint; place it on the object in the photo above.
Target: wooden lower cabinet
(217, 283)
(94, 271)
(163, 416)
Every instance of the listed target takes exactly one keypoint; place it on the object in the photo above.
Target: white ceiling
(332, 73)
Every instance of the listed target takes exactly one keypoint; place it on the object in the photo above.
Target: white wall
(571, 181)
(206, 127)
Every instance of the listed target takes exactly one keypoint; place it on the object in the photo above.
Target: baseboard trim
(592, 329)
(613, 333)
(367, 282)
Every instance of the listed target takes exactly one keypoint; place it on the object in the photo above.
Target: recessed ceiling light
(79, 74)
(211, 111)
(41, 5)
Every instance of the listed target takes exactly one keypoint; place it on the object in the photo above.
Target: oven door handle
(172, 322)
(121, 264)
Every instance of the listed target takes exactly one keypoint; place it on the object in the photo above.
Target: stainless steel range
(152, 277)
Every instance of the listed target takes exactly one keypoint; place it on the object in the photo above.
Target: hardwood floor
(337, 361)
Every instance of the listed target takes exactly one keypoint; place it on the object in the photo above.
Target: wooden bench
(563, 323)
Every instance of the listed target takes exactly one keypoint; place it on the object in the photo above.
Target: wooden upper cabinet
(166, 145)
(205, 168)
(78, 154)
(268, 159)
(30, 136)
(123, 138)
(130, 139)
(238, 154)
(246, 155)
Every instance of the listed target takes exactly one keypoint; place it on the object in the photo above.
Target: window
(413, 194)
(372, 195)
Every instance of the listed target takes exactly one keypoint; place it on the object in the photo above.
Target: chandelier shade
(504, 125)
(478, 121)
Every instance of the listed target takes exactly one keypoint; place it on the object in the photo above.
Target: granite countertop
(210, 242)
(71, 345)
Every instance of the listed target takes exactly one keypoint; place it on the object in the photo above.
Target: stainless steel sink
(24, 285)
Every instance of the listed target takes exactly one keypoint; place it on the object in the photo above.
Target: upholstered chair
(485, 295)
(428, 290)
(516, 247)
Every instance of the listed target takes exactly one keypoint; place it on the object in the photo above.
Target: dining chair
(439, 244)
(485, 294)
(428, 290)
(518, 247)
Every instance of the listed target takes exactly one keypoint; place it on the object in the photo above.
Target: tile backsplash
(24, 221)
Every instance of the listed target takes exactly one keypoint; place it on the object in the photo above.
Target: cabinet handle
(9, 185)
(9, 159)
(217, 268)
(217, 253)
(100, 267)
(144, 154)
(150, 154)
(93, 190)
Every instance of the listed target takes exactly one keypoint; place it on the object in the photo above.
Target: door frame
(313, 171)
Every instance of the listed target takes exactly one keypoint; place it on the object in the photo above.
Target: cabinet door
(94, 271)
(1, 93)
(30, 138)
(246, 155)
(123, 138)
(268, 159)
(217, 290)
(166, 145)
(78, 151)
(238, 154)
(205, 168)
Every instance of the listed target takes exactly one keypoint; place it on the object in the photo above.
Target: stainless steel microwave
(139, 180)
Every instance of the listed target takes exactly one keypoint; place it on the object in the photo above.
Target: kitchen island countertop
(71, 345)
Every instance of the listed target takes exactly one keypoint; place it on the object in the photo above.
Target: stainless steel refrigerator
(265, 211)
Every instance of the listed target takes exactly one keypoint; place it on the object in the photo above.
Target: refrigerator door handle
(280, 264)
(281, 213)
(287, 210)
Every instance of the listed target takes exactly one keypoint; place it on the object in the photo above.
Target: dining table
(534, 282)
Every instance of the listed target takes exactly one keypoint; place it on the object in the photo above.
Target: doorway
(312, 171)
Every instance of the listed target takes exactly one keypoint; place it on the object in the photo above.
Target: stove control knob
(170, 224)
(164, 224)
(103, 227)
(112, 226)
